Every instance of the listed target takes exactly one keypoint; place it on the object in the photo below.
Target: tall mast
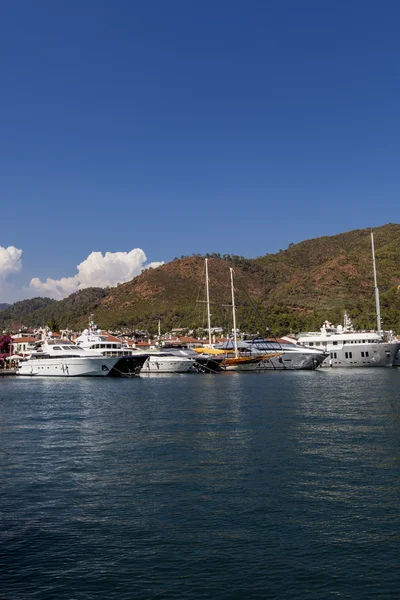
(159, 330)
(378, 308)
(208, 304)
(234, 315)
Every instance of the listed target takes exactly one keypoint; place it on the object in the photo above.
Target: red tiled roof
(24, 340)
(111, 338)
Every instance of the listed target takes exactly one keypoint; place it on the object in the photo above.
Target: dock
(4, 372)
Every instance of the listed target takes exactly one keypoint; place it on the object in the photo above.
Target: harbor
(97, 353)
(200, 301)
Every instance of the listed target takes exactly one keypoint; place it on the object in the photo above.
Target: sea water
(232, 486)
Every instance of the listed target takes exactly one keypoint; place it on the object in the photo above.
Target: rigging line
(249, 314)
(259, 315)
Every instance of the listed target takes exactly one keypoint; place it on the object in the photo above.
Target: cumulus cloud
(10, 261)
(97, 270)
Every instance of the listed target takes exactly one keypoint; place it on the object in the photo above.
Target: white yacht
(164, 362)
(349, 348)
(129, 360)
(62, 358)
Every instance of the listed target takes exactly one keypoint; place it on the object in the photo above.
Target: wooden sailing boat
(237, 362)
(226, 361)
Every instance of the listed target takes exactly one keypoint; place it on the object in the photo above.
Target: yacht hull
(167, 364)
(363, 355)
(205, 364)
(293, 361)
(129, 366)
(68, 367)
(241, 364)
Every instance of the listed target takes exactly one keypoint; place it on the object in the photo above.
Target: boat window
(366, 354)
(56, 347)
(362, 354)
(68, 348)
(317, 343)
(311, 344)
(334, 355)
(335, 343)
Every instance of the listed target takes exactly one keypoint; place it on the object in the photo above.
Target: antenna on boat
(378, 309)
(208, 305)
(234, 315)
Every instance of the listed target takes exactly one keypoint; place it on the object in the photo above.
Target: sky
(135, 132)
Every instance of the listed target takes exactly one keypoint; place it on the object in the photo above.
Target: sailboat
(208, 359)
(238, 362)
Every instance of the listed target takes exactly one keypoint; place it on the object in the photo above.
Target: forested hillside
(294, 289)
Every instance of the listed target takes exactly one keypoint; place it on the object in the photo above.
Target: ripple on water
(274, 485)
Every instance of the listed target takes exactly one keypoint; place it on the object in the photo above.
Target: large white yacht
(349, 348)
(129, 361)
(62, 358)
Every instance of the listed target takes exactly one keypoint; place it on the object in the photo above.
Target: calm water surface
(251, 486)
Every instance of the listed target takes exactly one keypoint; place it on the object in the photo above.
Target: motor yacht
(349, 348)
(165, 362)
(129, 360)
(63, 358)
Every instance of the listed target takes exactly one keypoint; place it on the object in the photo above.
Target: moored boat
(129, 361)
(164, 362)
(350, 348)
(238, 362)
(62, 358)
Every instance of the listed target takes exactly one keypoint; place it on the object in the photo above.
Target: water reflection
(274, 485)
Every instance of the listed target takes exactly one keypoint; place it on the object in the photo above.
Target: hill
(4, 306)
(69, 312)
(294, 289)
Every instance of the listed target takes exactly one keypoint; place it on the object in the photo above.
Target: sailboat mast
(378, 308)
(234, 315)
(208, 304)
(159, 330)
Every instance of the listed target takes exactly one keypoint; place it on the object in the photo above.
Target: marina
(199, 301)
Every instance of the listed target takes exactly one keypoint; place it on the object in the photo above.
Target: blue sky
(182, 127)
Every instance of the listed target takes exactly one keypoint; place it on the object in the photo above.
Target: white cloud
(96, 271)
(10, 261)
